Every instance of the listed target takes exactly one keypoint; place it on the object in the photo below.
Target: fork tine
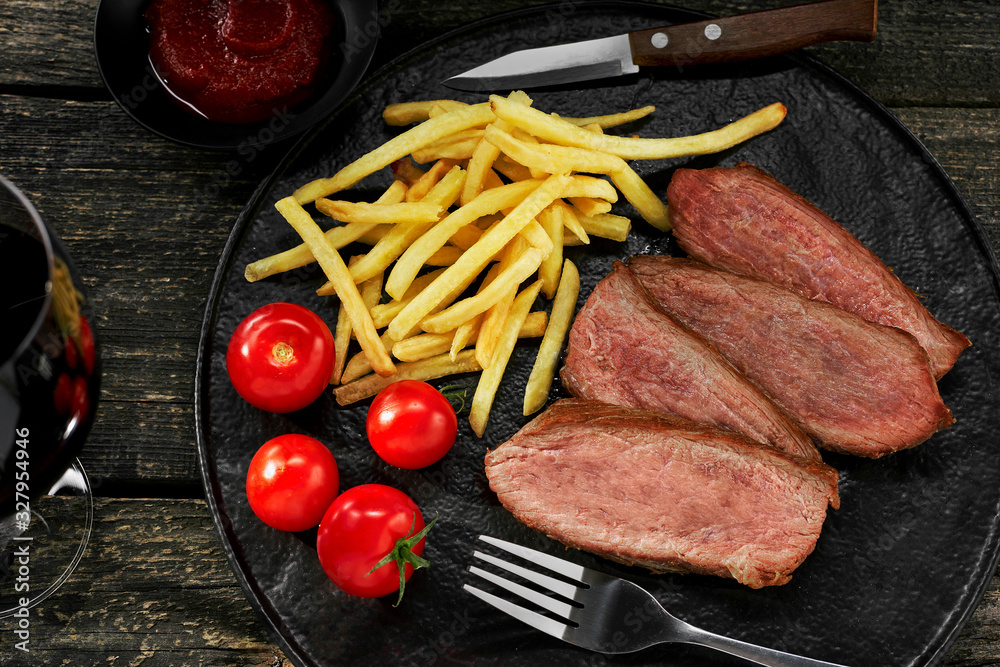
(534, 619)
(544, 601)
(563, 567)
(563, 588)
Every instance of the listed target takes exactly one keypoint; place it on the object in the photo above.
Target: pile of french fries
(505, 188)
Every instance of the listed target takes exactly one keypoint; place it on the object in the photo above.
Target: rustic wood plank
(926, 54)
(154, 588)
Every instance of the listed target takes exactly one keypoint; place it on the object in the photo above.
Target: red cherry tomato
(87, 348)
(280, 358)
(363, 526)
(70, 352)
(81, 397)
(63, 396)
(292, 481)
(411, 425)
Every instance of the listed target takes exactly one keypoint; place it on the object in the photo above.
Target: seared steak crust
(855, 386)
(644, 488)
(624, 349)
(743, 220)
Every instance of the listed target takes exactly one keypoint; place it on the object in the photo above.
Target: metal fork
(598, 617)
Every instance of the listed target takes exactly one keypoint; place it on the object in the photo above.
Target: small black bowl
(121, 45)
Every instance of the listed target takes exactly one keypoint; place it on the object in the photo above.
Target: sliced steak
(855, 386)
(624, 349)
(743, 220)
(644, 488)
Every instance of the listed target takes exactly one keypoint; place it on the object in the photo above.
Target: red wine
(24, 277)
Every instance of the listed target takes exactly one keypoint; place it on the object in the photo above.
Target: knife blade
(740, 37)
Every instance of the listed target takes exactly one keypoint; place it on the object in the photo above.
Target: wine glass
(49, 383)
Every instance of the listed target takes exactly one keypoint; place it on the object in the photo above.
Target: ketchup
(238, 61)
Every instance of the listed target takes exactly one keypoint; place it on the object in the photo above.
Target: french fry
(445, 256)
(422, 186)
(458, 146)
(425, 369)
(551, 220)
(465, 236)
(395, 242)
(510, 169)
(487, 203)
(646, 203)
(404, 171)
(489, 381)
(342, 336)
(380, 214)
(606, 226)
(427, 345)
(453, 316)
(557, 130)
(399, 146)
(496, 315)
(572, 222)
(476, 257)
(359, 366)
(406, 113)
(612, 120)
(335, 269)
(482, 158)
(536, 391)
(590, 205)
(553, 159)
(383, 313)
(582, 185)
(339, 237)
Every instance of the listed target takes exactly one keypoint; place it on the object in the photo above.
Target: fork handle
(759, 654)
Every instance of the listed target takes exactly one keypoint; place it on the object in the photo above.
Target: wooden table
(154, 587)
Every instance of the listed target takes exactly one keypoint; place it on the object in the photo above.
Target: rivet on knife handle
(756, 35)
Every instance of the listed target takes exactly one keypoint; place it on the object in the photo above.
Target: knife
(741, 37)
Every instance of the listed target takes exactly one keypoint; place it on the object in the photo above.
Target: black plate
(897, 570)
(121, 46)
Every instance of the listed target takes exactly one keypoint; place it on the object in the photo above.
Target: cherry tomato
(81, 397)
(292, 480)
(62, 398)
(88, 350)
(411, 425)
(70, 352)
(367, 525)
(280, 358)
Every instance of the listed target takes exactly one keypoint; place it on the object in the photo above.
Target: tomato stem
(456, 394)
(283, 352)
(402, 553)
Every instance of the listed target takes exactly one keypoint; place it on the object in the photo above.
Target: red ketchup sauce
(238, 61)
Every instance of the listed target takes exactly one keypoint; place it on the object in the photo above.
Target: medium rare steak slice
(743, 220)
(855, 386)
(624, 349)
(644, 488)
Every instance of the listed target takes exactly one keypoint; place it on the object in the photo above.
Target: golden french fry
(512, 170)
(380, 214)
(482, 159)
(590, 205)
(489, 381)
(404, 171)
(557, 130)
(465, 236)
(652, 209)
(445, 256)
(405, 113)
(476, 257)
(399, 146)
(422, 186)
(612, 120)
(591, 186)
(496, 315)
(383, 313)
(342, 336)
(335, 269)
(339, 237)
(392, 245)
(606, 225)
(359, 366)
(427, 345)
(453, 316)
(425, 369)
(572, 222)
(458, 146)
(551, 158)
(536, 391)
(414, 257)
(551, 220)
(464, 335)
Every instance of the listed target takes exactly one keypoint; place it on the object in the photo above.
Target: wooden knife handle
(756, 35)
